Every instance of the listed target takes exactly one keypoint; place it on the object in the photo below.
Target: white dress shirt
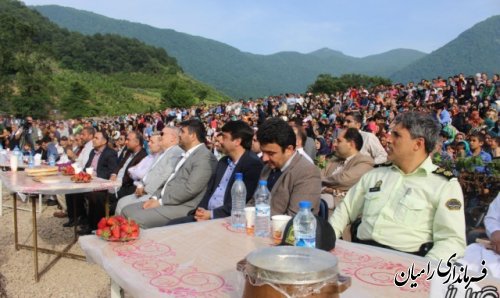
(84, 155)
(492, 219)
(304, 154)
(372, 147)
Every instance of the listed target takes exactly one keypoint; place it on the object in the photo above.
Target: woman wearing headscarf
(322, 147)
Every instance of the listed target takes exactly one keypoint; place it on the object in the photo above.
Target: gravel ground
(67, 278)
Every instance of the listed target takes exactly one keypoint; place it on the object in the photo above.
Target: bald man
(159, 171)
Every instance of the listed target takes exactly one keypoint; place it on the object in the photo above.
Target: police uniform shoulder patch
(445, 173)
(453, 204)
(387, 164)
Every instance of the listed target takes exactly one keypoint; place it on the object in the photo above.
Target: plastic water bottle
(304, 226)
(239, 198)
(262, 199)
(17, 153)
(31, 161)
(52, 160)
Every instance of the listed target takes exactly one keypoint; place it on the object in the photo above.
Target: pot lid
(291, 265)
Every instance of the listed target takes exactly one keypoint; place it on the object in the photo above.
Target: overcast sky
(357, 27)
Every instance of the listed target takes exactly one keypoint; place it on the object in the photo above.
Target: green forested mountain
(237, 73)
(45, 68)
(475, 50)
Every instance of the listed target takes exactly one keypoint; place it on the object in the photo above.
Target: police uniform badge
(376, 187)
(444, 173)
(453, 204)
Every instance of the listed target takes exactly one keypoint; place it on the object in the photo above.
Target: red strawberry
(115, 231)
(120, 218)
(102, 223)
(126, 228)
(134, 227)
(114, 238)
(98, 232)
(112, 222)
(123, 235)
(134, 235)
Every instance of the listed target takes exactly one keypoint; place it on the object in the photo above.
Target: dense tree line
(326, 83)
(44, 68)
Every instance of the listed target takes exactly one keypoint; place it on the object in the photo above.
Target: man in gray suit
(185, 187)
(159, 172)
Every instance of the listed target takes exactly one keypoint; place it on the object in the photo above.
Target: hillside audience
(294, 135)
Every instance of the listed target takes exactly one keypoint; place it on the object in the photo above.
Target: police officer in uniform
(409, 205)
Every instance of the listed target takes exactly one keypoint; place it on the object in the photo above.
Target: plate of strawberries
(117, 228)
(81, 177)
(68, 171)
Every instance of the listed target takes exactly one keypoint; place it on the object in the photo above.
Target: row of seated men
(408, 205)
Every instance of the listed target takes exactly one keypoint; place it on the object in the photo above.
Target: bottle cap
(305, 204)
(238, 176)
(263, 182)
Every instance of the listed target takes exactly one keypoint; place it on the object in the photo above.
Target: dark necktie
(272, 178)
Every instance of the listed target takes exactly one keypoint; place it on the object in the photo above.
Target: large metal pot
(289, 271)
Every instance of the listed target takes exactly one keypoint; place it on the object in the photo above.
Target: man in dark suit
(236, 143)
(121, 149)
(134, 155)
(103, 160)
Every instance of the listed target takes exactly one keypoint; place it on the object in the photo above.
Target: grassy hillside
(45, 68)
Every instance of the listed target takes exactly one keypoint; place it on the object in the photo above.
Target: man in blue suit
(236, 143)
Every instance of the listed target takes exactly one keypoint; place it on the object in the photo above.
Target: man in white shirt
(489, 253)
(371, 144)
(87, 136)
(138, 171)
(301, 136)
(492, 224)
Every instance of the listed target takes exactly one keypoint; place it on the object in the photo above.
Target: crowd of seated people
(178, 165)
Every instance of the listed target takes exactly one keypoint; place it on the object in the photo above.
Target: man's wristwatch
(156, 198)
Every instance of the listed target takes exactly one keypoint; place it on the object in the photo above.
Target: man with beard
(235, 143)
(290, 177)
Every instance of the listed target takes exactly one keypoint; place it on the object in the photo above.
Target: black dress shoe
(83, 221)
(85, 231)
(51, 203)
(70, 223)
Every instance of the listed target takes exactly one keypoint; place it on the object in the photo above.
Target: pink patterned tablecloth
(199, 260)
(20, 182)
